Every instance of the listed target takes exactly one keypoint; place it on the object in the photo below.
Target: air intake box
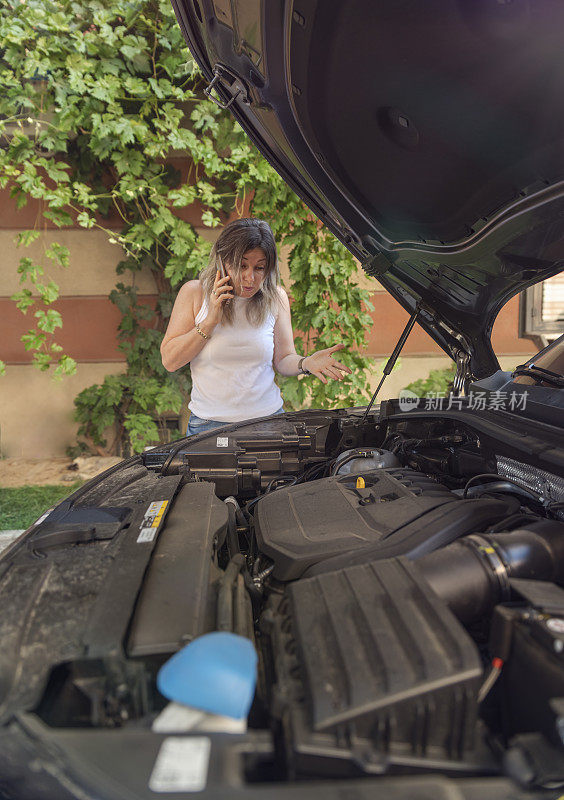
(374, 672)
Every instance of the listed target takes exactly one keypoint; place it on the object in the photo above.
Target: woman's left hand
(323, 365)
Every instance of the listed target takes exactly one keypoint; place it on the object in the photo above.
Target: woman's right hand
(222, 292)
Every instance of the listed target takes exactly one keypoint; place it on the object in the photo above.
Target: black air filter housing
(373, 670)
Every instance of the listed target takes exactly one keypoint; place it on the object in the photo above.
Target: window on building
(542, 311)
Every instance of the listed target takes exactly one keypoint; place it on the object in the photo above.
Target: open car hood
(429, 137)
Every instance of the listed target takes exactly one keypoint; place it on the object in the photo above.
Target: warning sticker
(222, 441)
(151, 521)
(181, 765)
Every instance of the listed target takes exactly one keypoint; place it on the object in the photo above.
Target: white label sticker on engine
(146, 535)
(222, 441)
(151, 521)
(181, 765)
(555, 625)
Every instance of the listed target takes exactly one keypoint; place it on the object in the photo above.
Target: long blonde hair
(233, 242)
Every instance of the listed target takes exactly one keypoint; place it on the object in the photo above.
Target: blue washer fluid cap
(217, 672)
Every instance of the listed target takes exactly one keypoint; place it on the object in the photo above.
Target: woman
(235, 328)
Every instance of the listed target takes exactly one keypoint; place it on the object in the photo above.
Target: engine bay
(400, 578)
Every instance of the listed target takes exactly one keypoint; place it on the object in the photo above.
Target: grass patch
(21, 506)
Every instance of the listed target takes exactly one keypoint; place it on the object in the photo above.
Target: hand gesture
(322, 363)
(222, 292)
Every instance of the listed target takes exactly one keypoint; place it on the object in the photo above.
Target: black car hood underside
(429, 137)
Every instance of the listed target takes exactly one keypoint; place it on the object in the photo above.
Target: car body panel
(421, 524)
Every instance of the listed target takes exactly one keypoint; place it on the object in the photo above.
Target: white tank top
(233, 375)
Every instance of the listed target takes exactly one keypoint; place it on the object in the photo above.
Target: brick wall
(36, 413)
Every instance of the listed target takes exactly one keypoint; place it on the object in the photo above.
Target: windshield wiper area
(541, 374)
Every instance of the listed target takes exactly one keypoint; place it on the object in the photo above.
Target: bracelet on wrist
(301, 369)
(200, 331)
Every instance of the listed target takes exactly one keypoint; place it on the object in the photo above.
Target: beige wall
(92, 268)
(412, 368)
(36, 413)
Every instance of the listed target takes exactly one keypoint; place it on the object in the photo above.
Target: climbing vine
(96, 103)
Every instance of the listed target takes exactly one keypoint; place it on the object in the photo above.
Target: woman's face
(253, 271)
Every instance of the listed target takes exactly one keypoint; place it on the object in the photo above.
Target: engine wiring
(491, 678)
(503, 484)
(495, 476)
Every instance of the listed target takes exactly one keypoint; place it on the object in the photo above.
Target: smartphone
(222, 272)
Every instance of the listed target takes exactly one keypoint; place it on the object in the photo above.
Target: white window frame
(531, 324)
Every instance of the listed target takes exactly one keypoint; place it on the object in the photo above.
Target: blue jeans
(199, 425)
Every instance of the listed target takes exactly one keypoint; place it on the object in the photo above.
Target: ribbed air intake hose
(472, 574)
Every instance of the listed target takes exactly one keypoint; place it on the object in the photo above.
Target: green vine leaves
(104, 125)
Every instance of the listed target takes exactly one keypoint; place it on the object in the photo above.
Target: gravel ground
(16, 472)
(51, 471)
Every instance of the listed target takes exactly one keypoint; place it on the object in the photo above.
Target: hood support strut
(394, 357)
(463, 374)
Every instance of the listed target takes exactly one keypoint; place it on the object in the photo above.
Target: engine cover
(398, 512)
